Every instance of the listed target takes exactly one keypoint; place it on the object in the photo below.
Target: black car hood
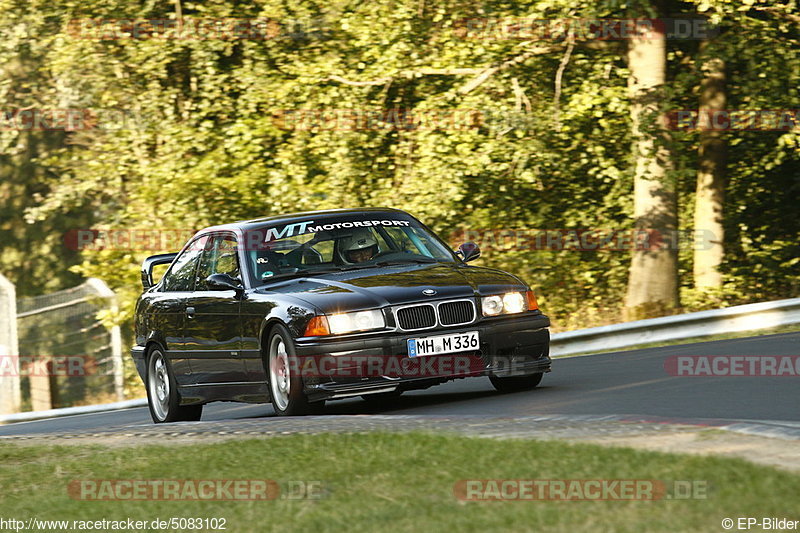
(395, 285)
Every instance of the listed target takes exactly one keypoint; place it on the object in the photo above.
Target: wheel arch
(266, 328)
(148, 347)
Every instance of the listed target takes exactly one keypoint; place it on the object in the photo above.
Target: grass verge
(393, 482)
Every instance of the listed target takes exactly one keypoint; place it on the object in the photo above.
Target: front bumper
(509, 346)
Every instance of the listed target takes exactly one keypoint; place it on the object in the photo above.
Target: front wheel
(516, 383)
(286, 386)
(162, 393)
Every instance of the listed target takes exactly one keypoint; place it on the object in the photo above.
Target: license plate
(451, 343)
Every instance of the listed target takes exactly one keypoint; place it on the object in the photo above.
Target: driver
(359, 247)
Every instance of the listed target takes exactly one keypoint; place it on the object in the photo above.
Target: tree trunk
(709, 199)
(653, 279)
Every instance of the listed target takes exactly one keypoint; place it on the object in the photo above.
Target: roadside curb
(524, 427)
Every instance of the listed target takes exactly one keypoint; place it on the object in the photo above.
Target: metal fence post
(116, 336)
(10, 398)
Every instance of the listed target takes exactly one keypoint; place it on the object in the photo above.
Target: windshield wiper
(300, 272)
(402, 262)
(312, 271)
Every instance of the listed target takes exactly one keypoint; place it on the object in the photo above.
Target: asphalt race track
(622, 383)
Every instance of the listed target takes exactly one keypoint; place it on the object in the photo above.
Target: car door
(169, 308)
(213, 325)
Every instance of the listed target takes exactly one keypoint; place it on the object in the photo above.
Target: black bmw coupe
(308, 307)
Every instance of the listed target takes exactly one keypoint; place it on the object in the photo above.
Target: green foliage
(210, 139)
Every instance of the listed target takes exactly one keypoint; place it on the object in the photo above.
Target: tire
(516, 383)
(285, 388)
(162, 392)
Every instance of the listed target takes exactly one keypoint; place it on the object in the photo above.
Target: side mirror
(468, 251)
(150, 262)
(224, 282)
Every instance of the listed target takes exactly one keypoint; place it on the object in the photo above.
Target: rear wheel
(162, 392)
(516, 383)
(285, 386)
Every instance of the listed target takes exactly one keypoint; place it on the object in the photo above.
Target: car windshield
(349, 242)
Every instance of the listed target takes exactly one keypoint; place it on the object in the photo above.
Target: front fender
(260, 313)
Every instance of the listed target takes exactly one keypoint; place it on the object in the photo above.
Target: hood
(395, 285)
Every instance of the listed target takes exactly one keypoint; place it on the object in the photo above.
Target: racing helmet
(360, 239)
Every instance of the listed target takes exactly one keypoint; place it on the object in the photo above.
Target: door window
(220, 257)
(181, 274)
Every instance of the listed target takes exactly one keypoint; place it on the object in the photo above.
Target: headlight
(358, 321)
(514, 302)
(492, 305)
(509, 303)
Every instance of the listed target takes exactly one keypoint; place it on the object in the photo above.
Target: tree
(711, 155)
(551, 148)
(653, 279)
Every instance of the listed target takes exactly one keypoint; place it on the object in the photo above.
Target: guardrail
(71, 411)
(668, 328)
(676, 327)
